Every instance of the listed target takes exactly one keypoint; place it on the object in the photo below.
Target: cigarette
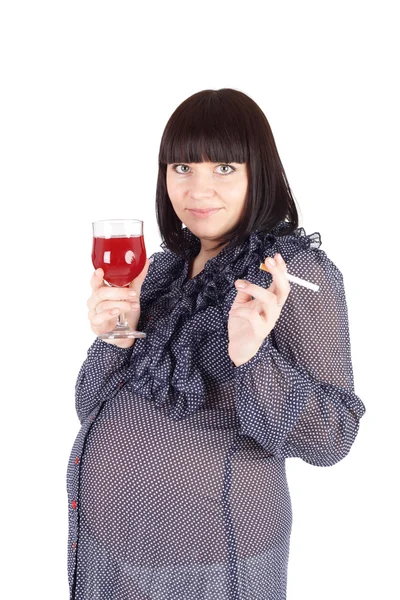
(294, 279)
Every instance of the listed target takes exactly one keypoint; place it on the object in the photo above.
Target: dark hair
(226, 126)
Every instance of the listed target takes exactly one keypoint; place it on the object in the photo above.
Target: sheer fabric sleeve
(101, 371)
(296, 395)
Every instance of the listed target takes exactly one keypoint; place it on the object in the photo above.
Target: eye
(174, 168)
(224, 166)
(227, 167)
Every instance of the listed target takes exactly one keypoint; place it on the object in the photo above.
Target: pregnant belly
(157, 491)
(151, 489)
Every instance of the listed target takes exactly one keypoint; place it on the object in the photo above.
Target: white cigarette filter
(294, 279)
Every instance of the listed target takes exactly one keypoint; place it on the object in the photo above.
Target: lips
(202, 210)
(203, 214)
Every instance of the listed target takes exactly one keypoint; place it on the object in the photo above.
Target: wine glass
(119, 249)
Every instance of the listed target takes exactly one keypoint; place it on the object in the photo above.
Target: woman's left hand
(250, 321)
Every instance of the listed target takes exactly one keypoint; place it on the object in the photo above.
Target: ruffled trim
(163, 367)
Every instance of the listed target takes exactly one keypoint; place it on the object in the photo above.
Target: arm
(105, 366)
(100, 372)
(295, 396)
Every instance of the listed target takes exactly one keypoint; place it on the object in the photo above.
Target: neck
(207, 251)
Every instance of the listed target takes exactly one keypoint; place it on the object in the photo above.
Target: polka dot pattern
(176, 481)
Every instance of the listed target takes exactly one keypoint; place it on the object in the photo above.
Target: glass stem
(122, 321)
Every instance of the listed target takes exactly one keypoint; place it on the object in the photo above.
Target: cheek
(175, 197)
(171, 191)
(172, 187)
(237, 195)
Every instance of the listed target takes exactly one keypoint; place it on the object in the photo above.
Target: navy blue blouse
(176, 481)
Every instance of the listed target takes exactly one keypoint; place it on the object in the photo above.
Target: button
(74, 545)
(73, 504)
(77, 460)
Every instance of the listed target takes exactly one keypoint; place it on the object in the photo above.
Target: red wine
(121, 258)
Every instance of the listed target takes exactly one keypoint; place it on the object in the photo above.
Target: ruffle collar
(163, 367)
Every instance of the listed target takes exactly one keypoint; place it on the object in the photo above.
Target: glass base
(121, 333)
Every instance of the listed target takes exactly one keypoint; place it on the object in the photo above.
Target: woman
(176, 481)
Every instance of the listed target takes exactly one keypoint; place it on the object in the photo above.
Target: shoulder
(291, 244)
(164, 261)
(303, 254)
(155, 257)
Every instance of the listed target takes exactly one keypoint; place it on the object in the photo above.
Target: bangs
(205, 129)
(225, 126)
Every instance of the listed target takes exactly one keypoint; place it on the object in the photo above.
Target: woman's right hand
(106, 303)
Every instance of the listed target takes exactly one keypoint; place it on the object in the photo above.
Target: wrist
(125, 343)
(245, 353)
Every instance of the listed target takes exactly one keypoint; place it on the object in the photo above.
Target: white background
(86, 91)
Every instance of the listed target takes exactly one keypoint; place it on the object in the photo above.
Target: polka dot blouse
(176, 481)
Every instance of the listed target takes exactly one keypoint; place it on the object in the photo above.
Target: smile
(203, 215)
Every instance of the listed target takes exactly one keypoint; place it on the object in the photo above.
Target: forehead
(212, 164)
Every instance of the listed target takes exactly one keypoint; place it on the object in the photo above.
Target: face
(207, 185)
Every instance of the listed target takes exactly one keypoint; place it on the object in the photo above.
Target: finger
(277, 258)
(103, 292)
(243, 293)
(114, 293)
(104, 314)
(111, 294)
(252, 290)
(278, 291)
(248, 311)
(280, 285)
(97, 279)
(103, 322)
(96, 282)
(122, 307)
(279, 262)
(276, 266)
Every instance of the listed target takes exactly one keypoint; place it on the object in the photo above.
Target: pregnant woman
(176, 482)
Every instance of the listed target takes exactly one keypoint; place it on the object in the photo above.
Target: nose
(201, 186)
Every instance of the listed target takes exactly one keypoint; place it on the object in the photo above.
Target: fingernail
(271, 261)
(240, 284)
(279, 258)
(131, 293)
(114, 311)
